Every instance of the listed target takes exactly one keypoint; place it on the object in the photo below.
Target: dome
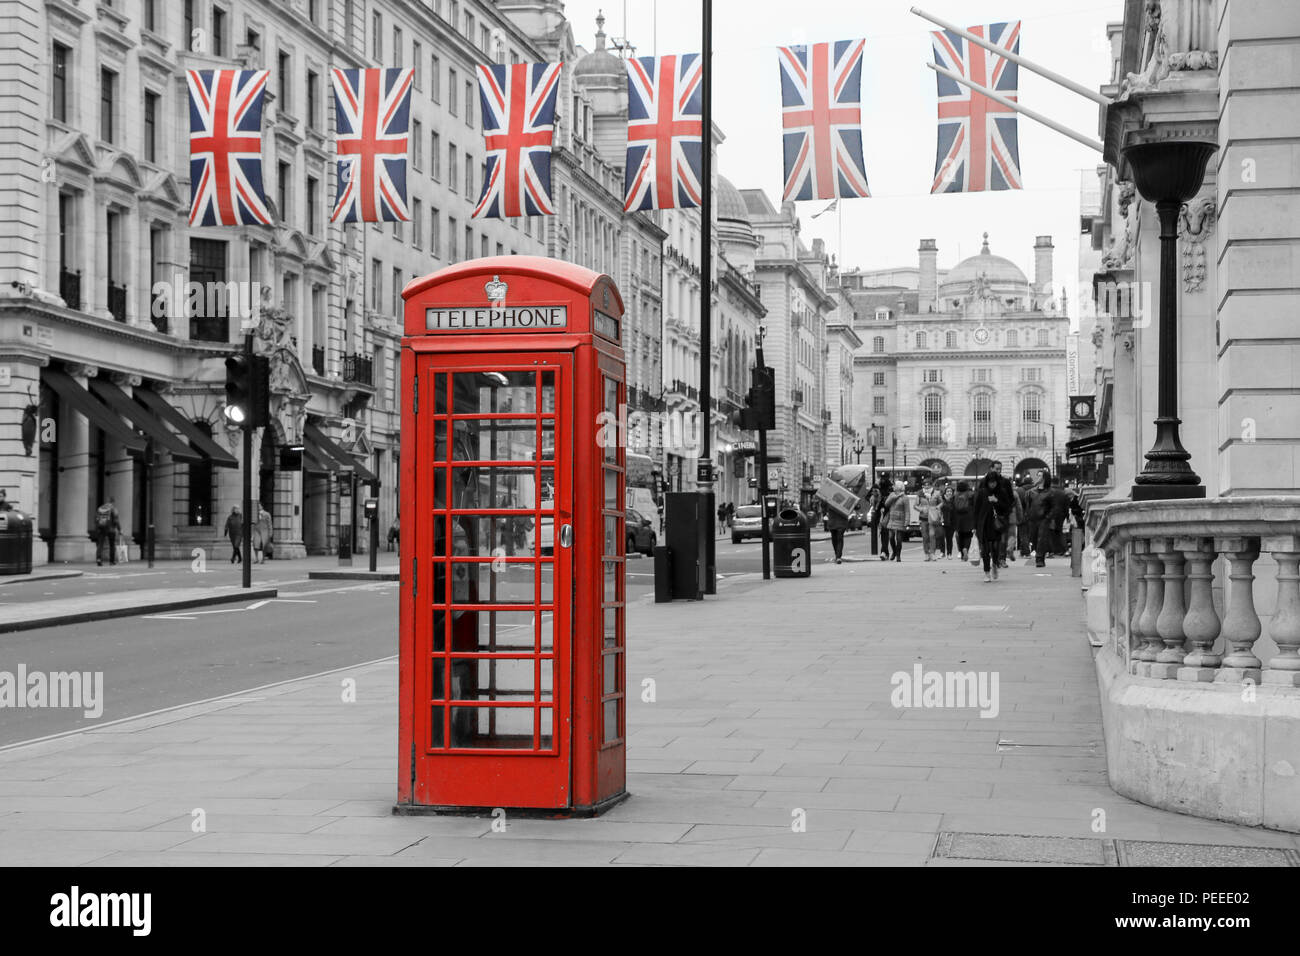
(988, 268)
(731, 205)
(600, 62)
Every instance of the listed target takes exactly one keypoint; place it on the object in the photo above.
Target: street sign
(704, 471)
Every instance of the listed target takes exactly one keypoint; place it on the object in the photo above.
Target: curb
(354, 575)
(136, 610)
(39, 576)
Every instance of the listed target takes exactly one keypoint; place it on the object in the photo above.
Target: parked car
(747, 523)
(640, 533)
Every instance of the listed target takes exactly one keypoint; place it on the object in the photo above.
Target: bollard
(1076, 552)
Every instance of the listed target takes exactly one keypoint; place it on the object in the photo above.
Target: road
(155, 662)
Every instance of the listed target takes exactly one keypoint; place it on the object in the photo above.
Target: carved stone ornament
(1195, 226)
(274, 338)
(1178, 35)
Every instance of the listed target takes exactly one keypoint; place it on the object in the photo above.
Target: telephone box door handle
(566, 536)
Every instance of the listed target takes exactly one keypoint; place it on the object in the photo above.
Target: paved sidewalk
(772, 709)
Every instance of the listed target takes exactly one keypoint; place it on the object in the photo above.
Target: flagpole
(1016, 58)
(1013, 105)
(704, 466)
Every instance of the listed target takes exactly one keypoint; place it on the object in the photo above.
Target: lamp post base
(1166, 492)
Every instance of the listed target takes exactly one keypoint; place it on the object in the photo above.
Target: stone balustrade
(1160, 559)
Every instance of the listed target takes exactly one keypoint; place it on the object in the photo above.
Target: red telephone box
(512, 603)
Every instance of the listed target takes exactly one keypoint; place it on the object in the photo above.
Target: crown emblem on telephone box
(496, 290)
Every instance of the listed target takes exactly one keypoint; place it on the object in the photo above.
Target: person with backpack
(107, 526)
(963, 509)
(895, 508)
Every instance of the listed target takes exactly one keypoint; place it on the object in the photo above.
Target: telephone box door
(492, 625)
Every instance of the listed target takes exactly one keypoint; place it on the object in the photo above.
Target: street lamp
(858, 447)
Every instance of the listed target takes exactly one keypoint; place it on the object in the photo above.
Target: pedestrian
(895, 508)
(731, 514)
(963, 509)
(1058, 508)
(4, 502)
(235, 532)
(107, 526)
(722, 519)
(992, 508)
(1011, 538)
(874, 500)
(948, 518)
(836, 523)
(1025, 539)
(394, 533)
(264, 530)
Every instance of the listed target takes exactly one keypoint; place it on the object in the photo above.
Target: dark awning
(95, 411)
(315, 460)
(144, 420)
(200, 442)
(1092, 445)
(333, 449)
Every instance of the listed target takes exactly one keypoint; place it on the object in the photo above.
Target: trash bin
(15, 542)
(791, 545)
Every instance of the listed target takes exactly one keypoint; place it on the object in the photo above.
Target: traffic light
(248, 391)
(759, 413)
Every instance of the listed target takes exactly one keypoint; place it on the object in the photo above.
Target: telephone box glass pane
(492, 582)
(610, 685)
(611, 489)
(497, 439)
(546, 579)
(611, 408)
(547, 688)
(548, 391)
(440, 393)
(497, 631)
(437, 732)
(502, 678)
(611, 535)
(495, 728)
(475, 487)
(611, 581)
(611, 626)
(491, 392)
(511, 535)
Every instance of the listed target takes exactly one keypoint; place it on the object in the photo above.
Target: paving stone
(1026, 849)
(1146, 853)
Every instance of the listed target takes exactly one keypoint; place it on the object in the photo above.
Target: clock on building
(982, 335)
(1082, 409)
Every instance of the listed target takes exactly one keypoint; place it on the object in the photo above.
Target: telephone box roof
(576, 277)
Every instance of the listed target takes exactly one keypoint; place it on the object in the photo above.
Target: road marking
(191, 615)
(960, 608)
(368, 586)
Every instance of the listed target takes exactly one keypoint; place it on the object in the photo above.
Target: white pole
(1011, 104)
(1016, 58)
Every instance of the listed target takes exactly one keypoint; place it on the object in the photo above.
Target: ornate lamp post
(858, 447)
(1168, 173)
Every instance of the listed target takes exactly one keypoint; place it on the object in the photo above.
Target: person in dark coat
(235, 532)
(836, 523)
(963, 509)
(947, 504)
(992, 510)
(1054, 506)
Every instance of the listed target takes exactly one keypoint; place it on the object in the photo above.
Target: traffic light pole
(247, 547)
(762, 483)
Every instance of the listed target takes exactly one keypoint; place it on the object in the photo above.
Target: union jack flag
(518, 123)
(226, 148)
(373, 113)
(821, 111)
(979, 146)
(665, 127)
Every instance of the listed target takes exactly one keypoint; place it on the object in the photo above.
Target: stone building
(1194, 599)
(961, 367)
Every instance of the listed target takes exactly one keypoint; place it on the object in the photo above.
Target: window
(417, 224)
(200, 485)
(878, 405)
(188, 20)
(435, 78)
(107, 103)
(469, 26)
(878, 344)
(1031, 375)
(469, 176)
(67, 224)
(282, 190)
(501, 250)
(452, 162)
(435, 237)
(982, 417)
(920, 340)
(397, 44)
(417, 145)
(469, 242)
(151, 15)
(877, 378)
(377, 37)
(483, 246)
(284, 80)
(950, 339)
(451, 239)
(932, 375)
(1031, 403)
(151, 127)
(1013, 339)
(469, 103)
(313, 197)
(1042, 338)
(452, 84)
(435, 156)
(484, 38)
(882, 315)
(376, 284)
(208, 265)
(313, 11)
(313, 99)
(396, 305)
(349, 16)
(932, 417)
(253, 38)
(218, 31)
(417, 64)
(59, 83)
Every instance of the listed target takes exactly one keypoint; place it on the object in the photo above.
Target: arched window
(981, 424)
(920, 340)
(1031, 412)
(932, 417)
(878, 344)
(1013, 339)
(950, 339)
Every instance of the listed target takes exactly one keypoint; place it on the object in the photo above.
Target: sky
(899, 116)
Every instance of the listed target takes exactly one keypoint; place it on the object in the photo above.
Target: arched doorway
(978, 466)
(1030, 468)
(939, 467)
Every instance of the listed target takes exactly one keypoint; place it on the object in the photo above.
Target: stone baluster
(1284, 668)
(1169, 622)
(1241, 627)
(1136, 640)
(1154, 574)
(1201, 624)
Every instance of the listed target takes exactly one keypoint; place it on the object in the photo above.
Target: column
(1284, 668)
(20, 438)
(72, 537)
(1241, 626)
(1201, 624)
